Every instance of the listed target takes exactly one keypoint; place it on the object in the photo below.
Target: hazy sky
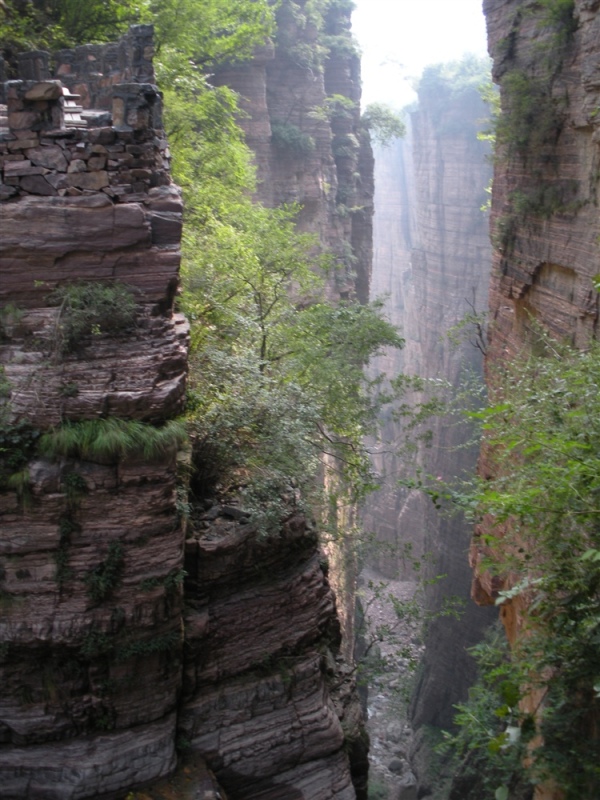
(400, 37)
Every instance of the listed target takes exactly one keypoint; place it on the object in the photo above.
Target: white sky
(400, 37)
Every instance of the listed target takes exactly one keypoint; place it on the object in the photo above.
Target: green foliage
(96, 644)
(5, 390)
(101, 581)
(559, 14)
(170, 582)
(210, 31)
(486, 751)
(345, 145)
(18, 441)
(112, 439)
(289, 139)
(134, 648)
(383, 123)
(91, 309)
(530, 120)
(338, 107)
(540, 515)
(67, 527)
(10, 319)
(452, 80)
(34, 24)
(277, 376)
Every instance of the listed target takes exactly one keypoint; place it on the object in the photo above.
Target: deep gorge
(149, 626)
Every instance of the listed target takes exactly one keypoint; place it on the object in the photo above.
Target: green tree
(277, 371)
(538, 514)
(383, 123)
(34, 24)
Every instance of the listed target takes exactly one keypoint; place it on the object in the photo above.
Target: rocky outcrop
(264, 698)
(301, 100)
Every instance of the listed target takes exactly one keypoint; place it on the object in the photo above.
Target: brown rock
(47, 90)
(77, 165)
(51, 157)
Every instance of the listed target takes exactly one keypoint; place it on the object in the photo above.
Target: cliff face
(431, 256)
(545, 223)
(301, 101)
(91, 552)
(545, 229)
(105, 659)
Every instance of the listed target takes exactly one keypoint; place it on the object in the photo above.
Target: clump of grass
(112, 439)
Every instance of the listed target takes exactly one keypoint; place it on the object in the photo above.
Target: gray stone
(37, 184)
(396, 766)
(407, 788)
(51, 157)
(48, 90)
(88, 180)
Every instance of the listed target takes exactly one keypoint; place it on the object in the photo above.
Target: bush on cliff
(538, 515)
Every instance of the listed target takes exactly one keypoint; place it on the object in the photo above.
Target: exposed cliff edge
(106, 660)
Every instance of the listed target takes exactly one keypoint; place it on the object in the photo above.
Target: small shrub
(288, 138)
(5, 387)
(96, 643)
(64, 572)
(164, 643)
(103, 579)
(10, 320)
(91, 309)
(69, 390)
(18, 442)
(530, 121)
(345, 146)
(75, 487)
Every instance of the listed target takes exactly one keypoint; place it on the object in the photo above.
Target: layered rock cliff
(545, 231)
(301, 98)
(106, 660)
(545, 224)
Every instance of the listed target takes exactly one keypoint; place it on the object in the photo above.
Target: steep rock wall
(306, 150)
(103, 667)
(546, 242)
(432, 257)
(91, 550)
(545, 223)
